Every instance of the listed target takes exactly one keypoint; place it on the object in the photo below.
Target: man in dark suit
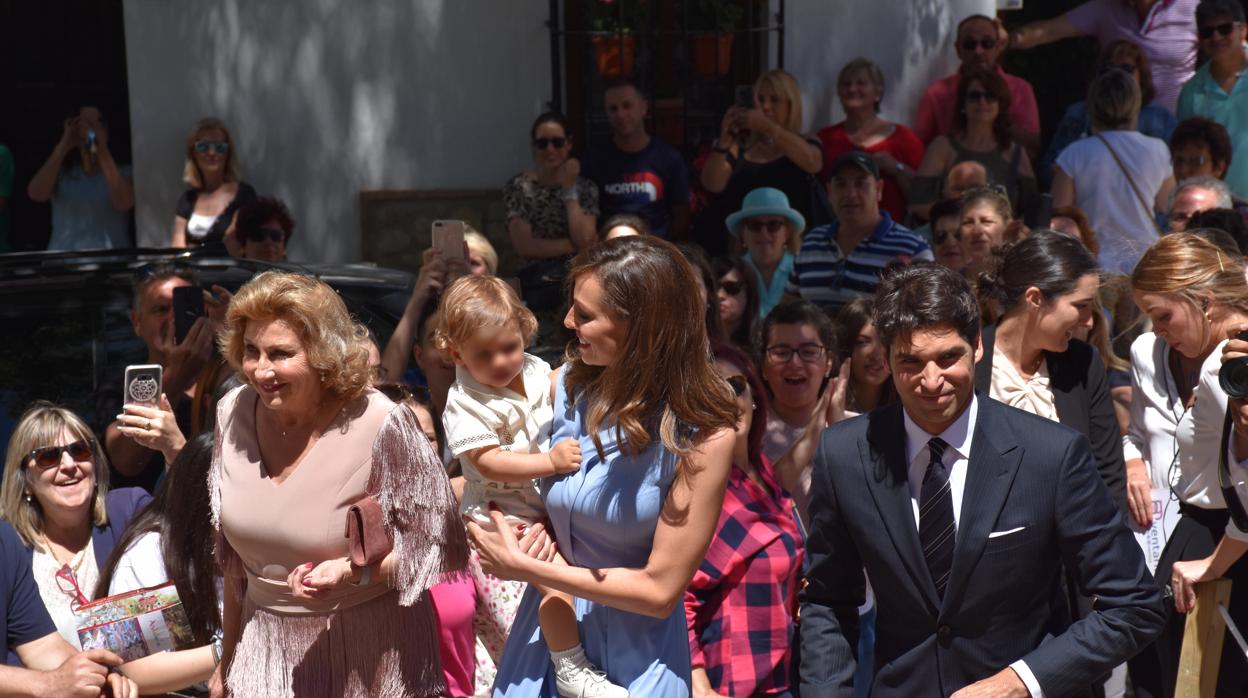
(963, 512)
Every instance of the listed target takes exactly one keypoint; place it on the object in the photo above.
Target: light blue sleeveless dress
(603, 515)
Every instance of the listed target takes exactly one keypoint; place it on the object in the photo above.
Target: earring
(29, 498)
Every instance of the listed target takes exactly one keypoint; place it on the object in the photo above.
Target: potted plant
(712, 45)
(615, 46)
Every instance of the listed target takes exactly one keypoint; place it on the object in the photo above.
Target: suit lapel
(884, 461)
(995, 456)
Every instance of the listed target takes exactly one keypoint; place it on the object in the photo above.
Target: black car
(65, 320)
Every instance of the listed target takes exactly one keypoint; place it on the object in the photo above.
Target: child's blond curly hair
(473, 303)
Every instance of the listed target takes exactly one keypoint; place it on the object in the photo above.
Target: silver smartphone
(142, 385)
(448, 236)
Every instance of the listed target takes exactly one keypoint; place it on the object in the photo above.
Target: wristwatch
(570, 194)
(715, 146)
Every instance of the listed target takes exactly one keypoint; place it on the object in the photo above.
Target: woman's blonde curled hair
(336, 345)
(1194, 269)
(42, 425)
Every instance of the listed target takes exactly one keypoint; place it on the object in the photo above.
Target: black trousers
(1155, 669)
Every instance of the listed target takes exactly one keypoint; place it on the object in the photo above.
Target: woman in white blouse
(1196, 297)
(1046, 287)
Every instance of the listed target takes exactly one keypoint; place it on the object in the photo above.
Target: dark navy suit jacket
(1004, 601)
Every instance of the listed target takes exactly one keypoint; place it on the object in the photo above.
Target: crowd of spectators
(1108, 265)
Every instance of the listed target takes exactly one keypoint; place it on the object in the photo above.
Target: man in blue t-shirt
(635, 173)
(50, 666)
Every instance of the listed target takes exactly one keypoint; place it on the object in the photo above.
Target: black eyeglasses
(544, 143)
(264, 234)
(221, 148)
(980, 96)
(987, 43)
(755, 225)
(939, 236)
(738, 384)
(47, 457)
(732, 288)
(1225, 29)
(783, 353)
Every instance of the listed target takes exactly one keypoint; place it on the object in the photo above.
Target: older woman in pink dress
(296, 446)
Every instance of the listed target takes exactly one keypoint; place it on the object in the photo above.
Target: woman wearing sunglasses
(981, 134)
(55, 495)
(264, 228)
(737, 302)
(1215, 91)
(770, 231)
(552, 213)
(741, 604)
(206, 210)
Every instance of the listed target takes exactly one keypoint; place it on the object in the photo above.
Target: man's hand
(82, 675)
(184, 361)
(1003, 684)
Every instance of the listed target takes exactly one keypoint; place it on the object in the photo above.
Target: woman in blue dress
(655, 422)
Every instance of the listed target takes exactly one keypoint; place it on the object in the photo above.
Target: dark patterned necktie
(936, 522)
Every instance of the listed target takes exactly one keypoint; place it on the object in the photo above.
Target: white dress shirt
(1180, 445)
(958, 436)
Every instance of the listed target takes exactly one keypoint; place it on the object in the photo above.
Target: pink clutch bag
(367, 538)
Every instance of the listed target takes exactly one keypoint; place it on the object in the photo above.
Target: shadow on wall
(922, 29)
(324, 98)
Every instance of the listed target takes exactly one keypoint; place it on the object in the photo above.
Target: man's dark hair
(1227, 220)
(624, 81)
(942, 208)
(958, 31)
(262, 210)
(922, 296)
(151, 273)
(1210, 10)
(1207, 132)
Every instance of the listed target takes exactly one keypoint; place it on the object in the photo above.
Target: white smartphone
(142, 385)
(448, 236)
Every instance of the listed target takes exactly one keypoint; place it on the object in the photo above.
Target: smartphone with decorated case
(142, 385)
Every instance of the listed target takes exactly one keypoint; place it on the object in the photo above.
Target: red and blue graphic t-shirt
(647, 183)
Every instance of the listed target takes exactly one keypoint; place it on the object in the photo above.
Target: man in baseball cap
(843, 260)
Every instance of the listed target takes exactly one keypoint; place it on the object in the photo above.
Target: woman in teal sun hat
(771, 231)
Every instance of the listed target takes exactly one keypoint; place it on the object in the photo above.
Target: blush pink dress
(370, 641)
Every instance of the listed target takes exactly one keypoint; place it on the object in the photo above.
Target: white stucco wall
(329, 97)
(911, 41)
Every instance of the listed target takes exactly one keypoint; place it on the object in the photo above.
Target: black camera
(1233, 376)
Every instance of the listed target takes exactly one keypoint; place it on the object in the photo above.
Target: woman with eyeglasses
(206, 210)
(91, 194)
(737, 302)
(1118, 176)
(770, 231)
(981, 134)
(1215, 91)
(55, 495)
(264, 228)
(1197, 298)
(799, 351)
(552, 213)
(1155, 120)
(741, 604)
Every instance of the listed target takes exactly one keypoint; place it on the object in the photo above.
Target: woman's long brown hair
(663, 375)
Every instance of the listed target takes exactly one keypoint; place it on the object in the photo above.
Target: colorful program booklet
(136, 623)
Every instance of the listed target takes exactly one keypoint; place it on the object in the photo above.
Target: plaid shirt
(742, 602)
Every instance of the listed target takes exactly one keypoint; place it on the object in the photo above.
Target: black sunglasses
(986, 43)
(544, 143)
(1225, 29)
(980, 96)
(50, 456)
(732, 288)
(754, 225)
(738, 384)
(939, 236)
(264, 234)
(221, 148)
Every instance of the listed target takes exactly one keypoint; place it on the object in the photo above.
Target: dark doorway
(57, 55)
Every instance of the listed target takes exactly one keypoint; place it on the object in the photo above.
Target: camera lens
(1234, 377)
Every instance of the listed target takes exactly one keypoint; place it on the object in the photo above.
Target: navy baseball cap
(858, 159)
